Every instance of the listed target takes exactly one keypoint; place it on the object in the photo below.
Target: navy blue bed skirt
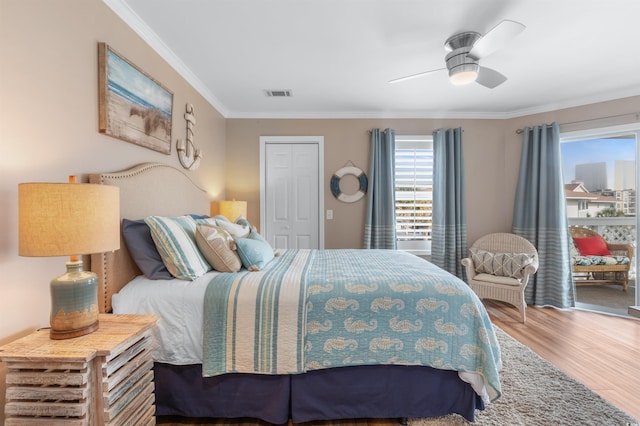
(374, 391)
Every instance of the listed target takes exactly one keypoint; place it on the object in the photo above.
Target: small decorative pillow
(235, 229)
(175, 240)
(254, 251)
(242, 221)
(218, 247)
(592, 246)
(222, 218)
(143, 251)
(500, 264)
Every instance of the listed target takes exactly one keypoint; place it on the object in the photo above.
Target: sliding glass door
(601, 182)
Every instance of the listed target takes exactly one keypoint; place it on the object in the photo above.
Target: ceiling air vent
(279, 93)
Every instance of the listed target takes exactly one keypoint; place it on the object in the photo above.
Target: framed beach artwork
(132, 106)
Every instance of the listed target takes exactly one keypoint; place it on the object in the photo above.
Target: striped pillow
(175, 240)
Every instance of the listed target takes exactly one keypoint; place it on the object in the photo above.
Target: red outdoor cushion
(592, 246)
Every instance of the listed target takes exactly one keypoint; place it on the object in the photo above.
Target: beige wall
(349, 139)
(491, 155)
(49, 129)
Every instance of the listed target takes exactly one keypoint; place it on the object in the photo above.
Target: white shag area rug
(534, 392)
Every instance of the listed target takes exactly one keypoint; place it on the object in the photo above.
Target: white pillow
(235, 229)
(174, 238)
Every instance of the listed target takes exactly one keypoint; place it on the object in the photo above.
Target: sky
(595, 151)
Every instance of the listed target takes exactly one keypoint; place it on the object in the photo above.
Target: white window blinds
(413, 190)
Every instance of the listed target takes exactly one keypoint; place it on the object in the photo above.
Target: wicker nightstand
(102, 378)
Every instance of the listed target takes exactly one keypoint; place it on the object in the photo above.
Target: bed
(298, 366)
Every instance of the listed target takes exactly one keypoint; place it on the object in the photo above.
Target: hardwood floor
(600, 351)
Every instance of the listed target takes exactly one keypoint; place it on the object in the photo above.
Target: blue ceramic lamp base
(74, 304)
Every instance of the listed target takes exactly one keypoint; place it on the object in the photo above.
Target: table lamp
(233, 209)
(69, 219)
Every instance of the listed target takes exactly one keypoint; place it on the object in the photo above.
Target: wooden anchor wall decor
(188, 154)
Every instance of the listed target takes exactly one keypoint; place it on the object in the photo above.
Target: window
(413, 191)
(600, 175)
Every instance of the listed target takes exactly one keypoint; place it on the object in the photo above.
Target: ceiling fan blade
(490, 78)
(420, 74)
(497, 37)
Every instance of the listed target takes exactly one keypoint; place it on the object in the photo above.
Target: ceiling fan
(465, 51)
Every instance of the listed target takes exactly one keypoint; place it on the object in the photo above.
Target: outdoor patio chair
(594, 261)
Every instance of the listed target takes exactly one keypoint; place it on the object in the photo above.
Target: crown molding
(573, 103)
(131, 18)
(416, 115)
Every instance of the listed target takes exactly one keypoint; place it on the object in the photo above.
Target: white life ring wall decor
(352, 171)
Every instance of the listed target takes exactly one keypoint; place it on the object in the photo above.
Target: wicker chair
(503, 288)
(601, 274)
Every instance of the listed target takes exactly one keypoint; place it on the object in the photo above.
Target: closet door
(291, 194)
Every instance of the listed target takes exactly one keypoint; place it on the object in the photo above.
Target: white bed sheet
(179, 306)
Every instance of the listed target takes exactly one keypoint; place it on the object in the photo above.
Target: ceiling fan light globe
(464, 73)
(463, 77)
(462, 68)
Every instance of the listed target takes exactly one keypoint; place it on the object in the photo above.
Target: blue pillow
(198, 216)
(254, 251)
(143, 251)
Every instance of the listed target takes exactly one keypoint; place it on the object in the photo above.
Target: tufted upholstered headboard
(146, 189)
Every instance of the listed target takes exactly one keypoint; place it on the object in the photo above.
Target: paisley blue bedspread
(313, 309)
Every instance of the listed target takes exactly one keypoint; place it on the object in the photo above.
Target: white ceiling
(337, 56)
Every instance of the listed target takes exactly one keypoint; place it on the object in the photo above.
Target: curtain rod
(636, 114)
(417, 133)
